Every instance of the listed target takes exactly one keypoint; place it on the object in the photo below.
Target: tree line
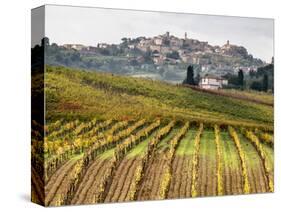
(239, 81)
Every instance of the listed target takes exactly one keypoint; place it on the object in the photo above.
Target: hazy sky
(89, 26)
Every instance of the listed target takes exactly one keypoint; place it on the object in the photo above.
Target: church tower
(167, 34)
(185, 36)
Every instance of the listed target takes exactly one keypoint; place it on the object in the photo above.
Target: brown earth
(207, 179)
(257, 176)
(180, 186)
(90, 182)
(149, 188)
(58, 184)
(122, 180)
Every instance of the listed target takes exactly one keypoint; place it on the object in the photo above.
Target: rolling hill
(77, 93)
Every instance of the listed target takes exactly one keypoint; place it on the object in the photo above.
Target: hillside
(162, 57)
(71, 92)
(127, 137)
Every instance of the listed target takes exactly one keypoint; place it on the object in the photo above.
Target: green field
(261, 96)
(72, 93)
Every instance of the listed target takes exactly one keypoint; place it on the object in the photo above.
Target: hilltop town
(162, 57)
(169, 49)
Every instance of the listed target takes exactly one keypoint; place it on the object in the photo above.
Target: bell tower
(168, 34)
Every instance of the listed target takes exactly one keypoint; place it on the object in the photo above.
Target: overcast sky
(89, 26)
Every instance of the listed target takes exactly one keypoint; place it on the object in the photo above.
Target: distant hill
(163, 57)
(72, 92)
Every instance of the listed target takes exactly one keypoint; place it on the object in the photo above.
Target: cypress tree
(265, 82)
(190, 76)
(241, 78)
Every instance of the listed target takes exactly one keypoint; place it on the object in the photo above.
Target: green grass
(186, 145)
(74, 93)
(269, 152)
(208, 145)
(229, 151)
(164, 143)
(107, 154)
(48, 157)
(251, 154)
(78, 156)
(261, 96)
(139, 150)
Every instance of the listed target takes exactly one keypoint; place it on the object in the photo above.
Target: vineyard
(116, 139)
(115, 161)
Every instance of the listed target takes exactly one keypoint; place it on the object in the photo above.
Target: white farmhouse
(212, 82)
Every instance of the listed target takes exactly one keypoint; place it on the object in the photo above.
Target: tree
(189, 76)
(105, 52)
(45, 41)
(265, 82)
(133, 62)
(256, 86)
(240, 78)
(125, 40)
(252, 73)
(147, 57)
(59, 57)
(89, 63)
(232, 79)
(75, 56)
(197, 79)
